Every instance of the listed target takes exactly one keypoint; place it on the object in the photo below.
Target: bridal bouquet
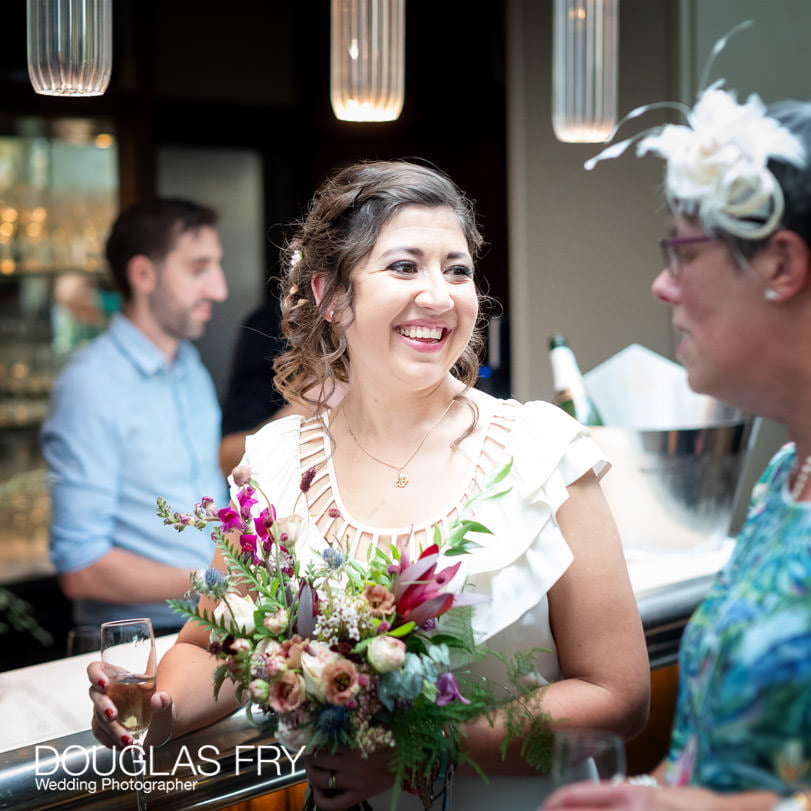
(343, 653)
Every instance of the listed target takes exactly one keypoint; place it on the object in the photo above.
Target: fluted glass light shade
(367, 66)
(70, 46)
(584, 69)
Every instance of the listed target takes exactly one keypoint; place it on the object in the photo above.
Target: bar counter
(49, 758)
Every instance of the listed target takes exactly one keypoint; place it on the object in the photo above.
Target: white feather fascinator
(717, 162)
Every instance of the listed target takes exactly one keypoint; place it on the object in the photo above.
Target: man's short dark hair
(151, 229)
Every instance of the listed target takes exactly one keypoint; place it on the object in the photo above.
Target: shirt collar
(141, 351)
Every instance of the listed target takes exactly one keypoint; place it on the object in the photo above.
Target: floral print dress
(743, 717)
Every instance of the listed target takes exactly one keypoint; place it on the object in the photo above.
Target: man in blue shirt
(134, 416)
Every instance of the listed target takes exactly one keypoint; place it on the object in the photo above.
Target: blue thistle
(333, 558)
(210, 582)
(333, 721)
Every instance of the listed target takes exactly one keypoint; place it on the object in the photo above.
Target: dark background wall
(194, 72)
(255, 75)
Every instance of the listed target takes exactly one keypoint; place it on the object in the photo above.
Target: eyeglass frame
(673, 262)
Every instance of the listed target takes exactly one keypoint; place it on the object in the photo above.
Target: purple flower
(307, 479)
(265, 521)
(246, 501)
(448, 690)
(230, 519)
(247, 544)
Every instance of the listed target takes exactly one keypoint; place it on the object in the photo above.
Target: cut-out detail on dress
(333, 520)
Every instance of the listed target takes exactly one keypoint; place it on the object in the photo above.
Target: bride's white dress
(514, 568)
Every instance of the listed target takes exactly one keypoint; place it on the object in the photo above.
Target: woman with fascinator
(738, 279)
(381, 299)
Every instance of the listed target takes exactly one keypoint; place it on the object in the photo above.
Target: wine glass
(587, 754)
(83, 639)
(128, 649)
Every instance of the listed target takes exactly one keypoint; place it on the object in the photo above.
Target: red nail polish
(126, 740)
(109, 713)
(101, 683)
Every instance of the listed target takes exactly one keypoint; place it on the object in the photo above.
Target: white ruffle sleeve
(272, 454)
(527, 553)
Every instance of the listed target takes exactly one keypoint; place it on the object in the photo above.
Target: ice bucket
(673, 489)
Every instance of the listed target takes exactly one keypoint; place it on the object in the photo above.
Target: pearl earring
(771, 295)
(331, 314)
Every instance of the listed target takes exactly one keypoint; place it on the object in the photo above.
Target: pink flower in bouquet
(277, 621)
(287, 692)
(247, 545)
(246, 501)
(418, 588)
(313, 662)
(262, 523)
(291, 649)
(341, 682)
(385, 653)
(380, 599)
(229, 518)
(267, 648)
(269, 660)
(241, 475)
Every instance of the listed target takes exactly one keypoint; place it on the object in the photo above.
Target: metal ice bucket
(674, 489)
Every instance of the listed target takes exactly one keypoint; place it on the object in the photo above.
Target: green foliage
(19, 616)
(199, 615)
(456, 543)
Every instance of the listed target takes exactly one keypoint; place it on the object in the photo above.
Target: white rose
(385, 653)
(288, 530)
(294, 735)
(240, 613)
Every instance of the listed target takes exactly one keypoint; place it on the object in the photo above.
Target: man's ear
(790, 271)
(142, 274)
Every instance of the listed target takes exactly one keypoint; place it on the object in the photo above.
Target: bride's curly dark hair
(339, 231)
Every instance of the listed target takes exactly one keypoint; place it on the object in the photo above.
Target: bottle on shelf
(570, 388)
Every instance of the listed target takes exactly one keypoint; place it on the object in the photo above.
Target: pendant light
(584, 69)
(70, 46)
(367, 59)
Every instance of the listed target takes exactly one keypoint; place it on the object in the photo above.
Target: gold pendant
(402, 480)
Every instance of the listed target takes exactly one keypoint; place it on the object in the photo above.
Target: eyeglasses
(673, 256)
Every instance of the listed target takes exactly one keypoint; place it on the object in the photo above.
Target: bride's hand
(105, 726)
(345, 779)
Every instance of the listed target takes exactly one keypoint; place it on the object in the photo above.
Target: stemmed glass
(128, 648)
(587, 754)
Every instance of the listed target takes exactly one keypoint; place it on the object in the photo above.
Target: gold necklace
(401, 480)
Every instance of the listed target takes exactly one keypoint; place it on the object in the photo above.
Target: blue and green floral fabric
(743, 716)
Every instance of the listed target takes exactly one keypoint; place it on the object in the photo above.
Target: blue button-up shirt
(125, 427)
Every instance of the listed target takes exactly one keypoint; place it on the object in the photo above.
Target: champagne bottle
(570, 389)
